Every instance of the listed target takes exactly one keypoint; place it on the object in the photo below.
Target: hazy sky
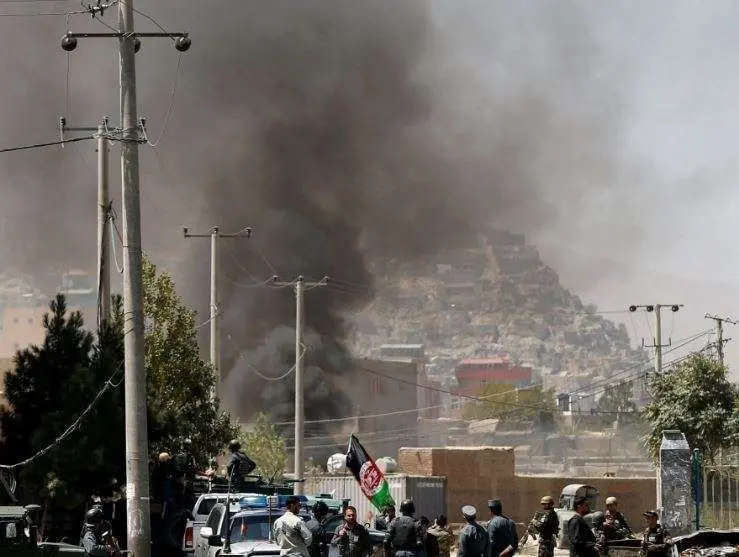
(672, 68)
(660, 77)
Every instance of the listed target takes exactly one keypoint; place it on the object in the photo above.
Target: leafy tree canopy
(266, 447)
(696, 398)
(617, 399)
(54, 382)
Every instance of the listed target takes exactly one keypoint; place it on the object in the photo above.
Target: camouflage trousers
(546, 548)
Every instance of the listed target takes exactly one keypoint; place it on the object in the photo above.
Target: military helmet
(547, 500)
(598, 518)
(234, 445)
(320, 508)
(94, 516)
(611, 501)
(407, 507)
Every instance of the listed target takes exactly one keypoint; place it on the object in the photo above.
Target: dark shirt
(582, 539)
(547, 526)
(502, 533)
(317, 547)
(239, 465)
(355, 543)
(93, 544)
(655, 542)
(431, 545)
(405, 533)
(382, 523)
(473, 541)
(616, 527)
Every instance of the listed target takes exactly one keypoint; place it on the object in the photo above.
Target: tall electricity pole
(137, 448)
(657, 341)
(300, 286)
(720, 334)
(215, 309)
(103, 212)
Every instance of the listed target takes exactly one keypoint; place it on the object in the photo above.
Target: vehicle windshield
(251, 528)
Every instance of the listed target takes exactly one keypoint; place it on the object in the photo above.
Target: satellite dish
(336, 464)
(387, 465)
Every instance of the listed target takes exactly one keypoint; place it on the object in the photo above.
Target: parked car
(200, 511)
(250, 531)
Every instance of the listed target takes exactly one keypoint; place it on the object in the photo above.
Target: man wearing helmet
(239, 465)
(92, 537)
(405, 537)
(615, 526)
(318, 548)
(546, 525)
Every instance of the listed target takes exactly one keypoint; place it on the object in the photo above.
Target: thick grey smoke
(342, 132)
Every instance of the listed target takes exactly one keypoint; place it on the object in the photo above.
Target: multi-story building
(475, 373)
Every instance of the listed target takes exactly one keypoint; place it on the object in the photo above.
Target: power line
(42, 145)
(67, 432)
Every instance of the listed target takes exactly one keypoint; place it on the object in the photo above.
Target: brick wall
(477, 474)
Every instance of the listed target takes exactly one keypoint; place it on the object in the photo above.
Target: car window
(207, 504)
(214, 518)
(251, 528)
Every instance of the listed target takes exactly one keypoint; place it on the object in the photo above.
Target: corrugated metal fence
(720, 495)
(428, 493)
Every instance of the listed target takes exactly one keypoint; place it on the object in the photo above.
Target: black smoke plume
(342, 132)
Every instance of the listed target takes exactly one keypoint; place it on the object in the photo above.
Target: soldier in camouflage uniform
(656, 541)
(546, 526)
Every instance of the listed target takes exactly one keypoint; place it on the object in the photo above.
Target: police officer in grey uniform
(503, 537)
(405, 537)
(473, 539)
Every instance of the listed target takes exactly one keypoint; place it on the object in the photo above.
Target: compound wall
(476, 474)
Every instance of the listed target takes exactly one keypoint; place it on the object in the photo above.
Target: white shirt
(292, 534)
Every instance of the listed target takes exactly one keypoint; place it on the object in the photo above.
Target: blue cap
(469, 511)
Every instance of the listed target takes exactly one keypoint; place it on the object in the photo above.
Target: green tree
(180, 383)
(50, 387)
(54, 382)
(506, 403)
(266, 447)
(617, 399)
(696, 398)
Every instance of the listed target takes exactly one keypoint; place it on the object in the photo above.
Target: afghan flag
(368, 475)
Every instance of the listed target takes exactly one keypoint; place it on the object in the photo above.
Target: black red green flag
(368, 475)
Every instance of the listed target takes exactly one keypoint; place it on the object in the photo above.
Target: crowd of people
(408, 536)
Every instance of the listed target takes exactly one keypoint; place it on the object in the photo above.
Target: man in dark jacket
(352, 538)
(432, 544)
(318, 548)
(501, 531)
(582, 539)
(239, 465)
(405, 537)
(92, 537)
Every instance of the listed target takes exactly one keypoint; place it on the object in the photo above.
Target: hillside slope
(495, 298)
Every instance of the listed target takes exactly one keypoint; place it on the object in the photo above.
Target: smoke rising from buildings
(340, 132)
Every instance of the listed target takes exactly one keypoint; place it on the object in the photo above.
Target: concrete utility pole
(657, 341)
(215, 309)
(300, 286)
(103, 213)
(137, 447)
(720, 334)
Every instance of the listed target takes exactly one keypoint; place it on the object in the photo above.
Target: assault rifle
(531, 530)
